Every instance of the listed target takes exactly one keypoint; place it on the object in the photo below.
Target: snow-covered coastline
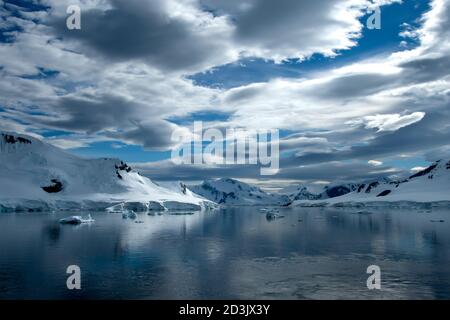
(36, 176)
(429, 187)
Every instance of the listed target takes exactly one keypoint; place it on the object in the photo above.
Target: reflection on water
(233, 253)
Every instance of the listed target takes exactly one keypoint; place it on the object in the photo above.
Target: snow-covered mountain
(233, 192)
(298, 192)
(429, 185)
(333, 190)
(35, 176)
(337, 190)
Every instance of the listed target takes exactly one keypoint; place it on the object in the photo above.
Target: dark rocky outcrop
(183, 188)
(13, 140)
(371, 186)
(424, 172)
(384, 193)
(55, 187)
(122, 167)
(337, 191)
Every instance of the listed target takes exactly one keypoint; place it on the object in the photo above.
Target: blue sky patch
(372, 42)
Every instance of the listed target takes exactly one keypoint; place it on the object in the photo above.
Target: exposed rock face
(13, 139)
(55, 187)
(384, 193)
(337, 191)
(425, 172)
(372, 186)
(122, 166)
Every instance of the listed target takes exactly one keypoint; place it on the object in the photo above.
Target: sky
(350, 103)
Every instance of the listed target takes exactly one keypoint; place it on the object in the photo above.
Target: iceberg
(75, 220)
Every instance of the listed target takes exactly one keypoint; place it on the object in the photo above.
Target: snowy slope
(333, 190)
(233, 192)
(337, 190)
(429, 185)
(37, 176)
(298, 192)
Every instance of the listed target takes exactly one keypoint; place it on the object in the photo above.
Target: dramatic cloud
(375, 163)
(333, 171)
(431, 133)
(188, 35)
(392, 122)
(290, 28)
(167, 34)
(124, 78)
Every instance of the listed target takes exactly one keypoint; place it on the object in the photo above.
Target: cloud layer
(125, 75)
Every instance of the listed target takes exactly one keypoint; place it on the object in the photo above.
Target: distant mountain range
(228, 191)
(36, 176)
(431, 185)
(333, 190)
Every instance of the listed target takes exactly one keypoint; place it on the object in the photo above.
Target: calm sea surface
(234, 253)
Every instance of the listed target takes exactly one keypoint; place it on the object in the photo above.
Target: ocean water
(234, 253)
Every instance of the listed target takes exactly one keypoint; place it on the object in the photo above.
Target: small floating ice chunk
(71, 220)
(75, 220)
